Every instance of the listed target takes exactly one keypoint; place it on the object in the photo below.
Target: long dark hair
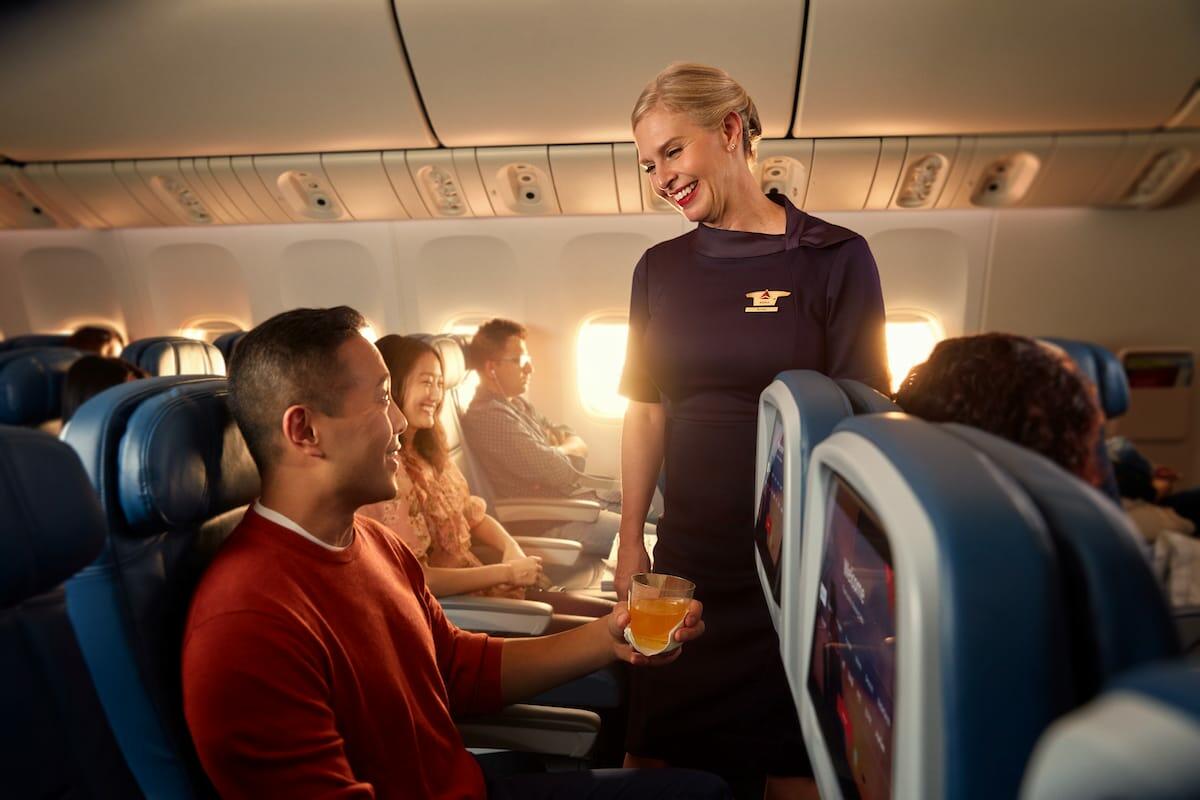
(1015, 388)
(401, 354)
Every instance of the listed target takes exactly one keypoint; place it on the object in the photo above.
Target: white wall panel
(535, 72)
(332, 272)
(63, 287)
(1116, 278)
(189, 282)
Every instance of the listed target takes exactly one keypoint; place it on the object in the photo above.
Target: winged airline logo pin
(764, 301)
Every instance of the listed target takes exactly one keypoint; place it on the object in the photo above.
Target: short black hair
(291, 359)
(488, 342)
(91, 375)
(92, 338)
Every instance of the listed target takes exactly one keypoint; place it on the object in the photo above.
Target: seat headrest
(175, 355)
(31, 382)
(865, 400)
(183, 460)
(454, 359)
(226, 342)
(35, 340)
(53, 523)
(1103, 369)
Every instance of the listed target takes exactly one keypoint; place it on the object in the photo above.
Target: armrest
(602, 482)
(567, 732)
(526, 509)
(497, 614)
(558, 552)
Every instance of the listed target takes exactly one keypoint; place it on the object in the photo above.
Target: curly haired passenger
(1014, 387)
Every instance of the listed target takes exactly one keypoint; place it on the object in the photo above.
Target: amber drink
(657, 606)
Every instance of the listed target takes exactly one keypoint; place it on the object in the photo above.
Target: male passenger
(522, 452)
(315, 661)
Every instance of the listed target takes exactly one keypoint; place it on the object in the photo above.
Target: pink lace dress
(435, 518)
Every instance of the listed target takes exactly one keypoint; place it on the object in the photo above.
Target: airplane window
(911, 336)
(207, 330)
(599, 359)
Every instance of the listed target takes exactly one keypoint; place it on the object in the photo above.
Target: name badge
(764, 302)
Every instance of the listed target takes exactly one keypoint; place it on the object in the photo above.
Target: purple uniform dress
(715, 315)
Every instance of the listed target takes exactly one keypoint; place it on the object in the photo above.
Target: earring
(731, 146)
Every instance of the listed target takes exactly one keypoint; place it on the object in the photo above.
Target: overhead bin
(148, 79)
(929, 67)
(566, 73)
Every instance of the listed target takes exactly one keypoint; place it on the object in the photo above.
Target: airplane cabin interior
(956, 616)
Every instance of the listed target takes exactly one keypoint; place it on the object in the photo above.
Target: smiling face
(361, 442)
(424, 389)
(692, 167)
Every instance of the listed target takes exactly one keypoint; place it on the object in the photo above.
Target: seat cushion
(31, 383)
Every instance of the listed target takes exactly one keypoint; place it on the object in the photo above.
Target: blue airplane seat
(226, 342)
(1138, 739)
(1118, 616)
(34, 340)
(1103, 369)
(933, 653)
(174, 476)
(31, 382)
(865, 400)
(55, 740)
(174, 355)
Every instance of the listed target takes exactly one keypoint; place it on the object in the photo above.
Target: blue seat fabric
(34, 340)
(174, 355)
(174, 477)
(55, 740)
(226, 342)
(31, 383)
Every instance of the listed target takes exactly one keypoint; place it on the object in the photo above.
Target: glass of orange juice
(657, 605)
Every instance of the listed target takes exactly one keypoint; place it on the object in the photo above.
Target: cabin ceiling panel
(929, 67)
(148, 79)
(533, 72)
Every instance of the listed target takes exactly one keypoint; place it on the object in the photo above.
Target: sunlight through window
(599, 359)
(207, 330)
(911, 336)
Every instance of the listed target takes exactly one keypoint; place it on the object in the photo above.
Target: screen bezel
(776, 453)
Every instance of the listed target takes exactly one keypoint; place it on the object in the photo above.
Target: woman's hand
(693, 626)
(526, 571)
(632, 558)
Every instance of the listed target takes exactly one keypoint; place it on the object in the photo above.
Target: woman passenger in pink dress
(436, 515)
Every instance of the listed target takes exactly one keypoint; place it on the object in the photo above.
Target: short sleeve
(636, 383)
(855, 339)
(474, 510)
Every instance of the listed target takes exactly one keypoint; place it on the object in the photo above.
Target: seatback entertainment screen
(768, 532)
(852, 675)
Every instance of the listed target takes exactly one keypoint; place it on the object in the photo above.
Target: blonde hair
(706, 94)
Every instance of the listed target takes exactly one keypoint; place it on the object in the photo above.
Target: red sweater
(314, 673)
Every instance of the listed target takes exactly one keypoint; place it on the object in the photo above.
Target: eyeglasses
(523, 361)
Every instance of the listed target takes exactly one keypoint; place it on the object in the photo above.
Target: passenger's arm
(449, 581)
(572, 445)
(257, 702)
(642, 441)
(504, 445)
(529, 666)
(487, 531)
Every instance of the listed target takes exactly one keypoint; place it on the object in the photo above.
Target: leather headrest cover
(175, 355)
(183, 460)
(1103, 369)
(31, 384)
(454, 362)
(35, 340)
(53, 524)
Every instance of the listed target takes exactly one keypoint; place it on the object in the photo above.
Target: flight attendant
(758, 287)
